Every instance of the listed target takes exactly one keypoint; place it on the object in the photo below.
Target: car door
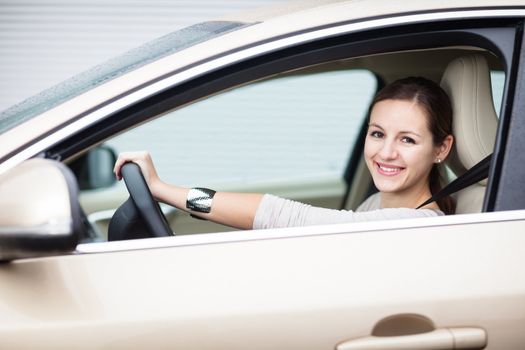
(443, 282)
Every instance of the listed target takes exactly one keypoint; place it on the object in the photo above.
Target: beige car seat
(467, 82)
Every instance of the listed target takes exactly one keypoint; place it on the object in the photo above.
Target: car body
(446, 282)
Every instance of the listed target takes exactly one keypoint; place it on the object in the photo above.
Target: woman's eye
(377, 134)
(407, 139)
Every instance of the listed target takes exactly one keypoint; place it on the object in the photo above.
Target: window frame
(229, 76)
(332, 48)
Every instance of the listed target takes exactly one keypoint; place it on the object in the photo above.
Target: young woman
(409, 135)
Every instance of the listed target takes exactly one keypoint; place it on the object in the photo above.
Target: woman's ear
(444, 149)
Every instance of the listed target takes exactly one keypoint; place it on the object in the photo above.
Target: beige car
(271, 101)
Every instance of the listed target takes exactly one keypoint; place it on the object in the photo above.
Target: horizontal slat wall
(43, 42)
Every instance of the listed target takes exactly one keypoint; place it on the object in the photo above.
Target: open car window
(297, 135)
(290, 135)
(294, 132)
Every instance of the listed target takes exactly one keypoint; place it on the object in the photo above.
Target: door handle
(439, 339)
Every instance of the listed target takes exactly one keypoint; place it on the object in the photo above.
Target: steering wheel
(140, 215)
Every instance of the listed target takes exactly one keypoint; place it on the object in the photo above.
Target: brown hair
(436, 103)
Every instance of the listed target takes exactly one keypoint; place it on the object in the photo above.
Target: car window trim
(183, 75)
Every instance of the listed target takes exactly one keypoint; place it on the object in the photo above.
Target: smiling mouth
(388, 170)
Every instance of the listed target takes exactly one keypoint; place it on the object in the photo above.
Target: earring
(438, 160)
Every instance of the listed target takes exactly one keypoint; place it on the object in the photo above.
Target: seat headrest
(467, 82)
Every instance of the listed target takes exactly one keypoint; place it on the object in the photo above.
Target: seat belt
(475, 174)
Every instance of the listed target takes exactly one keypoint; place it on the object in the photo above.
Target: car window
(497, 79)
(290, 128)
(290, 135)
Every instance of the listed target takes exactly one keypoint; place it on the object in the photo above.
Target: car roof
(358, 9)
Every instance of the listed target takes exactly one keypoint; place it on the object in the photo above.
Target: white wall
(43, 42)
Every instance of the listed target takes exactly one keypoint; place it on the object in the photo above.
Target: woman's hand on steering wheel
(144, 161)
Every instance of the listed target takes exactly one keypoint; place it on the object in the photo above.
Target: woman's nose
(388, 150)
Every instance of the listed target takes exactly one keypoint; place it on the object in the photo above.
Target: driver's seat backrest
(467, 82)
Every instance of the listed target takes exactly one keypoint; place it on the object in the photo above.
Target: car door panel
(275, 292)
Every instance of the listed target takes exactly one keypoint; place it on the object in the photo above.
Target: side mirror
(39, 211)
(94, 169)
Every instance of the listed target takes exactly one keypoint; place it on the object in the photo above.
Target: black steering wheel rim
(140, 215)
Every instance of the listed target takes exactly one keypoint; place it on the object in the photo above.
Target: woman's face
(399, 148)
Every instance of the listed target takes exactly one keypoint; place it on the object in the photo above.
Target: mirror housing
(39, 211)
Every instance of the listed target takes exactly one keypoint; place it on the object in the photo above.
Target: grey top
(275, 212)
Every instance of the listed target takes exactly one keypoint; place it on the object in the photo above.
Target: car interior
(466, 79)
(467, 82)
(464, 72)
(465, 76)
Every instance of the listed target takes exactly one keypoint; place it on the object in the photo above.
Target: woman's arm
(231, 209)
